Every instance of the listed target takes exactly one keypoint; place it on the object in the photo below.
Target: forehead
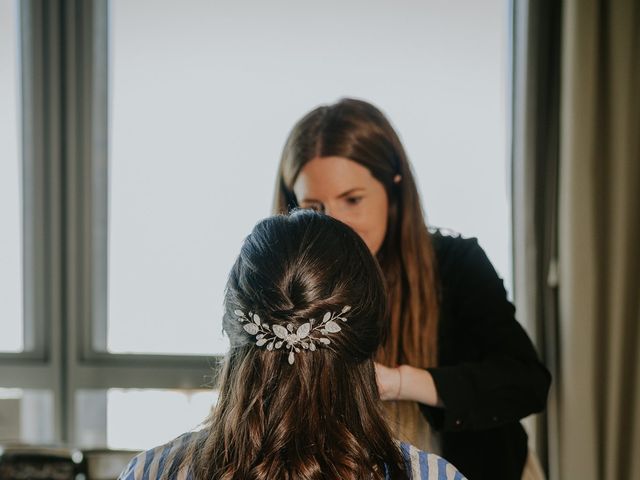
(328, 176)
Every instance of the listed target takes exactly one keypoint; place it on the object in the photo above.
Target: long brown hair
(357, 130)
(320, 417)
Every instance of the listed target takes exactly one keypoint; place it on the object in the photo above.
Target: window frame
(37, 367)
(64, 79)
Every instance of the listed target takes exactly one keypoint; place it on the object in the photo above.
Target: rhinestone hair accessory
(307, 336)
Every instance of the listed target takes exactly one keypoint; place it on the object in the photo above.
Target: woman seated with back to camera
(305, 307)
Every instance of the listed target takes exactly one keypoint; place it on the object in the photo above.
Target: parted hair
(320, 417)
(357, 130)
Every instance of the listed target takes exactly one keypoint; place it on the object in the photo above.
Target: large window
(150, 135)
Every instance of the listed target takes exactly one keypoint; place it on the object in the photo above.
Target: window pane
(26, 416)
(137, 418)
(11, 339)
(199, 117)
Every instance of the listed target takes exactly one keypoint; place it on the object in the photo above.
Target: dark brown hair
(321, 417)
(357, 130)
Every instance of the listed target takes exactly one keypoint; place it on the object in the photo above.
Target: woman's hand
(407, 383)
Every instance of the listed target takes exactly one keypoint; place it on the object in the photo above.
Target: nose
(328, 210)
(334, 212)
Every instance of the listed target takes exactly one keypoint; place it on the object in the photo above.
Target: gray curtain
(599, 236)
(576, 207)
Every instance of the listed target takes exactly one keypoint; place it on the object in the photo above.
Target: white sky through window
(203, 95)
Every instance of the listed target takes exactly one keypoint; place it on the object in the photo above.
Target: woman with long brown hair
(305, 310)
(455, 362)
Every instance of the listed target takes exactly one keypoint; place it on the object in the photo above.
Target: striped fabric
(150, 465)
(427, 466)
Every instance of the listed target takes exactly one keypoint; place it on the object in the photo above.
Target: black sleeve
(498, 378)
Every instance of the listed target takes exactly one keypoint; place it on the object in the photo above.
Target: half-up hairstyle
(320, 417)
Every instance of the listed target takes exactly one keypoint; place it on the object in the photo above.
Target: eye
(318, 207)
(354, 200)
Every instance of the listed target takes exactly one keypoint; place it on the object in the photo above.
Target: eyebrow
(349, 192)
(342, 195)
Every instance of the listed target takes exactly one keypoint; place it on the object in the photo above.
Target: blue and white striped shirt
(150, 465)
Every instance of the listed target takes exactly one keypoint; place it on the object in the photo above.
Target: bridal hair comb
(307, 336)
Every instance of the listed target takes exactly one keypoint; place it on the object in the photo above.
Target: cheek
(384, 220)
(381, 229)
(374, 229)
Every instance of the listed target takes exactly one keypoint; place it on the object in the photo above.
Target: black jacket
(488, 376)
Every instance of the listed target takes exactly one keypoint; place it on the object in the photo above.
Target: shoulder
(448, 242)
(153, 463)
(466, 275)
(427, 466)
(455, 252)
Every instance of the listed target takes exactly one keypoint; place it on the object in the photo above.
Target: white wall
(204, 94)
